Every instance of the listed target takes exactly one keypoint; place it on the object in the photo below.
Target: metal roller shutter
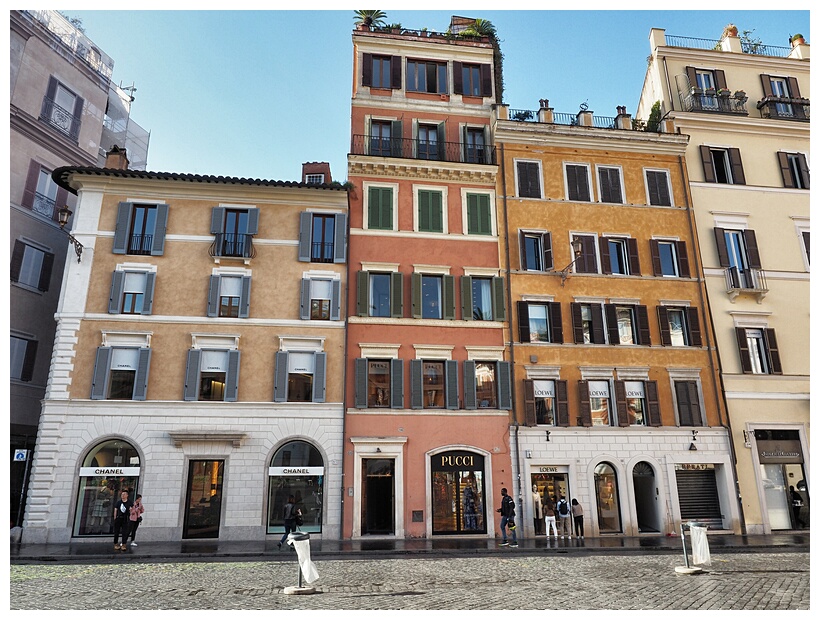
(698, 497)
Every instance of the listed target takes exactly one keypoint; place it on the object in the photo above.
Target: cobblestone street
(735, 581)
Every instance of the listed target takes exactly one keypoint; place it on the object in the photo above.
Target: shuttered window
(479, 215)
(577, 182)
(31, 266)
(430, 216)
(657, 188)
(689, 413)
(120, 373)
(529, 179)
(380, 208)
(23, 355)
(300, 377)
(609, 185)
(536, 251)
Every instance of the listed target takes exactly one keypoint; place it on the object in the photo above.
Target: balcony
(140, 244)
(45, 206)
(785, 108)
(61, 119)
(408, 148)
(321, 252)
(718, 102)
(232, 245)
(749, 282)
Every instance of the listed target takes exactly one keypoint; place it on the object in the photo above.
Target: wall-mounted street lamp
(62, 217)
(577, 246)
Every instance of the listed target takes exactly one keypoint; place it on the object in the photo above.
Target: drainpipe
(668, 85)
(720, 395)
(509, 322)
(344, 374)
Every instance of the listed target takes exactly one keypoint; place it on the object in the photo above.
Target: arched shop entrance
(297, 469)
(607, 499)
(457, 493)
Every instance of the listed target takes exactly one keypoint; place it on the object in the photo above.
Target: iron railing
(568, 118)
(235, 245)
(784, 108)
(699, 101)
(44, 206)
(748, 47)
(321, 252)
(140, 244)
(61, 119)
(408, 148)
(751, 280)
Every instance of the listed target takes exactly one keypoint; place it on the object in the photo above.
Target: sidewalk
(386, 548)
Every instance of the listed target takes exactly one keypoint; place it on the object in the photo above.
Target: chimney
(316, 172)
(116, 159)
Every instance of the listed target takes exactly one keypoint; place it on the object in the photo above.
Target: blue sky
(256, 93)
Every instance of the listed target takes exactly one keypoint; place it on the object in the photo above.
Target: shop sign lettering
(109, 471)
(543, 389)
(599, 393)
(296, 471)
(457, 461)
(694, 466)
(548, 470)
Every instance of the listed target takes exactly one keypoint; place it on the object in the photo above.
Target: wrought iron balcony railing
(785, 108)
(704, 101)
(408, 148)
(44, 205)
(140, 244)
(61, 119)
(321, 252)
(749, 281)
(233, 245)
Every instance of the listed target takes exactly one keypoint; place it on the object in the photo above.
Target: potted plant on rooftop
(367, 19)
(797, 39)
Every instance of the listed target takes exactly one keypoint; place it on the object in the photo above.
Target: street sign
(20, 455)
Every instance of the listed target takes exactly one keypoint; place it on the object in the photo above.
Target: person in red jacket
(136, 518)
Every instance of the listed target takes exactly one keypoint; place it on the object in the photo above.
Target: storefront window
(544, 392)
(635, 402)
(784, 482)
(296, 469)
(433, 385)
(108, 469)
(606, 491)
(599, 402)
(458, 493)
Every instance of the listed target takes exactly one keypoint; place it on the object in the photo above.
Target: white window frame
(673, 242)
(540, 178)
(686, 374)
(591, 187)
(668, 178)
(620, 170)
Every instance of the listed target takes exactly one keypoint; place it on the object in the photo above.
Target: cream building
(745, 107)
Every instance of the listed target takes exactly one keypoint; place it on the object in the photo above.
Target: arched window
(606, 496)
(297, 469)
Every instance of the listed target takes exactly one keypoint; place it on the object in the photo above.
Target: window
(380, 71)
(609, 184)
(780, 88)
(737, 251)
(637, 403)
(595, 403)
(379, 294)
(23, 355)
(212, 374)
(479, 215)
(433, 296)
(62, 109)
(121, 373)
(132, 292)
(627, 324)
(472, 80)
(320, 299)
(577, 179)
(482, 299)
(619, 255)
(536, 251)
(299, 377)
(588, 323)
(31, 266)
(540, 322)
(545, 402)
(381, 143)
(487, 385)
(781, 98)
(688, 401)
(669, 258)
(658, 191)
(229, 296)
(679, 327)
(429, 137)
(426, 76)
(794, 169)
(41, 194)
(322, 237)
(475, 149)
(722, 165)
(528, 179)
(587, 262)
(759, 354)
(380, 208)
(379, 383)
(314, 179)
(430, 212)
(140, 229)
(805, 235)
(433, 384)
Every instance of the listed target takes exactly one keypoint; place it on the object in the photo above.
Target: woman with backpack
(564, 518)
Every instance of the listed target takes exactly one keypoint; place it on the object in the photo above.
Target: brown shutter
(692, 75)
(561, 403)
(708, 166)
(523, 321)
(654, 250)
(77, 120)
(643, 326)
(612, 324)
(522, 250)
(663, 324)
(766, 82)
(804, 170)
(577, 323)
(695, 339)
(653, 403)
(738, 178)
(785, 169)
(774, 353)
(45, 271)
(620, 403)
(27, 371)
(546, 243)
(590, 261)
(556, 323)
(606, 263)
(486, 81)
(752, 252)
(395, 72)
(723, 251)
(794, 89)
(598, 324)
(583, 401)
(683, 259)
(743, 348)
(367, 69)
(17, 259)
(720, 78)
(634, 260)
(529, 403)
(458, 78)
(30, 190)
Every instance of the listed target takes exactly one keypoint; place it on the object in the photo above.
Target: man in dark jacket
(122, 512)
(507, 511)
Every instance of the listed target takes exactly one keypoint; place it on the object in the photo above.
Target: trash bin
(300, 541)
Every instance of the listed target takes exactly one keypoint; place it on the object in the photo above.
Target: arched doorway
(457, 493)
(607, 499)
(646, 498)
(109, 468)
(297, 469)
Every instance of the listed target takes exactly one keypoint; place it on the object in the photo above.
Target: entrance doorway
(203, 508)
(457, 493)
(607, 499)
(646, 498)
(378, 496)
(550, 486)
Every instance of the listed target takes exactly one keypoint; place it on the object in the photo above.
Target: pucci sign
(105, 472)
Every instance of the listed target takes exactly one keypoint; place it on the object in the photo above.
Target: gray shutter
(467, 298)
(245, 298)
(304, 299)
(305, 240)
(416, 394)
(160, 227)
(504, 385)
(99, 383)
(115, 296)
(415, 295)
(451, 384)
(191, 391)
(122, 229)
(253, 221)
(499, 307)
(319, 377)
(362, 294)
(340, 238)
(335, 300)
(280, 377)
(213, 296)
(141, 379)
(17, 259)
(396, 295)
(217, 217)
(396, 384)
(448, 293)
(148, 297)
(45, 271)
(232, 376)
(442, 141)
(470, 401)
(360, 382)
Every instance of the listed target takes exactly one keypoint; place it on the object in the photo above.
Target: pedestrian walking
(507, 511)
(135, 519)
(578, 518)
(549, 516)
(564, 515)
(289, 516)
(537, 511)
(122, 511)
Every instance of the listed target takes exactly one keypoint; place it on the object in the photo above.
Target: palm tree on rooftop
(370, 18)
